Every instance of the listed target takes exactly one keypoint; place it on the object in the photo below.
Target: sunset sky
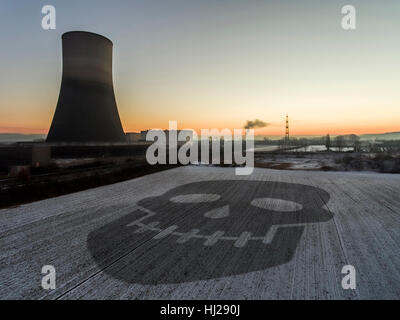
(214, 64)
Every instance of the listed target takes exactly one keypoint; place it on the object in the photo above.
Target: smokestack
(86, 110)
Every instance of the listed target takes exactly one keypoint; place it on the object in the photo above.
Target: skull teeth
(242, 241)
(187, 236)
(210, 240)
(213, 239)
(270, 235)
(145, 228)
(165, 232)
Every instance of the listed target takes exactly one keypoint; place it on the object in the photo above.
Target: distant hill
(381, 136)
(19, 137)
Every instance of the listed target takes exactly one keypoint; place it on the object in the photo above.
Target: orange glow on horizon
(22, 130)
(294, 131)
(273, 130)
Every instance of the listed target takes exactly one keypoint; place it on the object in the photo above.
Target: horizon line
(256, 135)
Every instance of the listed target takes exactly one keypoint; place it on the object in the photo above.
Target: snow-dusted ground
(314, 161)
(319, 148)
(120, 242)
(311, 161)
(264, 148)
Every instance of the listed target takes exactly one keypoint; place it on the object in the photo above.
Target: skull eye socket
(195, 198)
(279, 205)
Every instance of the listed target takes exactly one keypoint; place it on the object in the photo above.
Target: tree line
(339, 143)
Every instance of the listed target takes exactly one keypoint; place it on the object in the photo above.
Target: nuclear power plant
(86, 111)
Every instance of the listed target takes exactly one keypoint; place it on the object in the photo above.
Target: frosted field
(204, 233)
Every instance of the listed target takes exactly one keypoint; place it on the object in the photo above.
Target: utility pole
(287, 138)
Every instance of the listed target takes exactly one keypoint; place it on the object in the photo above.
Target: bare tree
(328, 142)
(339, 143)
(354, 141)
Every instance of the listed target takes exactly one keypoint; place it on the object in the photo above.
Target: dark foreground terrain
(43, 183)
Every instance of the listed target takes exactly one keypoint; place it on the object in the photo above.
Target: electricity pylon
(287, 138)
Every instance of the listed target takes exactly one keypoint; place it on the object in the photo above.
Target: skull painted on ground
(209, 229)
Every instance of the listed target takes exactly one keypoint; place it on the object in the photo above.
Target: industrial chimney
(86, 110)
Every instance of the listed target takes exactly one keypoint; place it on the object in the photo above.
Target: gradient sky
(214, 64)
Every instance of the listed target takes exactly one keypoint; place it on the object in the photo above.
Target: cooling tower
(86, 110)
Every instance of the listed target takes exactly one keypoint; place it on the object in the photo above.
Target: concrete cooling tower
(86, 110)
